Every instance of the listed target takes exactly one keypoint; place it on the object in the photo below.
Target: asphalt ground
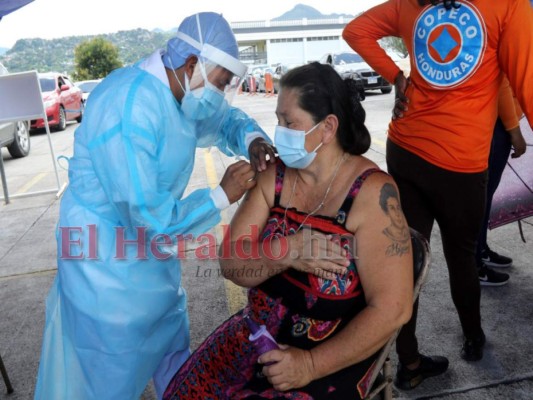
(28, 266)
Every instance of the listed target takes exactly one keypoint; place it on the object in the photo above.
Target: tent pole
(52, 150)
(4, 181)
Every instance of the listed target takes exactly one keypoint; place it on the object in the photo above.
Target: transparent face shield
(212, 76)
(210, 90)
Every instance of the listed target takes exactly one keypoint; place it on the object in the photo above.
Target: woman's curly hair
(448, 4)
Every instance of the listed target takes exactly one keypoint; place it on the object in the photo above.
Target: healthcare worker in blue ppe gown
(116, 314)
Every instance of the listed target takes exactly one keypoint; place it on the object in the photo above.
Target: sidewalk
(28, 264)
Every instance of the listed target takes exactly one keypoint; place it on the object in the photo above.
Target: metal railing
(292, 22)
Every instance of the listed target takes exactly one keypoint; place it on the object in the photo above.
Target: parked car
(63, 101)
(351, 65)
(87, 87)
(280, 70)
(15, 135)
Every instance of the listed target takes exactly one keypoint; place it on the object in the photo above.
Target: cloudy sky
(50, 19)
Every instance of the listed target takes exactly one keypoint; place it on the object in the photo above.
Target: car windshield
(47, 84)
(87, 87)
(348, 58)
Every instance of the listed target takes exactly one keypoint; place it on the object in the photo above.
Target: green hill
(58, 54)
(302, 11)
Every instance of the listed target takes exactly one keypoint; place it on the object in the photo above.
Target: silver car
(15, 135)
(87, 87)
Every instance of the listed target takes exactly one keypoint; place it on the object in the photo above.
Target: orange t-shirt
(455, 72)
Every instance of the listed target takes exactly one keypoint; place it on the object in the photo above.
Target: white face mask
(290, 144)
(202, 102)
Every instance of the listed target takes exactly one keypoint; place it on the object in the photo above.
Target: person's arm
(509, 115)
(362, 35)
(516, 51)
(126, 163)
(385, 267)
(244, 251)
(235, 135)
(518, 142)
(506, 106)
(241, 246)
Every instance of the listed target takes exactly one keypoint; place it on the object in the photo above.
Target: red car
(63, 101)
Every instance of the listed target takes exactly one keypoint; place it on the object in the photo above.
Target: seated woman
(330, 308)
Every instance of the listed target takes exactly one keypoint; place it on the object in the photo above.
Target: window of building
(321, 38)
(287, 40)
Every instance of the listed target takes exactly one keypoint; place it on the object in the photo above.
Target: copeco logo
(449, 44)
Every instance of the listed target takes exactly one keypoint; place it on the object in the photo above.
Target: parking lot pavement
(27, 268)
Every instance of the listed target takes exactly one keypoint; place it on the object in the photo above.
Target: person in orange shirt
(507, 135)
(440, 135)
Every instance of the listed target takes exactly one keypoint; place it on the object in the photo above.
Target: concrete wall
(291, 42)
(285, 52)
(303, 50)
(316, 47)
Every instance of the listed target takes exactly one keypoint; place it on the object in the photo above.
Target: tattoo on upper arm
(397, 231)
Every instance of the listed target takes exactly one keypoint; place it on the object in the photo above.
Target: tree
(95, 59)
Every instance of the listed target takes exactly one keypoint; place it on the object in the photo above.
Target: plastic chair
(382, 366)
(5, 376)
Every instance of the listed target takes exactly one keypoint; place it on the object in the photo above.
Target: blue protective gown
(110, 322)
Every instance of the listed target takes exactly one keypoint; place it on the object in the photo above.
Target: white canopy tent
(6, 7)
(20, 100)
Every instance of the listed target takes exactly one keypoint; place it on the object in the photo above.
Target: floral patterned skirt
(225, 365)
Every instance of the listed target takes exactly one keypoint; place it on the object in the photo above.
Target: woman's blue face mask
(290, 144)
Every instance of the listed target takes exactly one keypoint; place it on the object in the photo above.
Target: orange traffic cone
(269, 85)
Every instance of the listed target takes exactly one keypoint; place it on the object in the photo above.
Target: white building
(290, 42)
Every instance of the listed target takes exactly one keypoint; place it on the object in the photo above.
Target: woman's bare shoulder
(367, 201)
(266, 182)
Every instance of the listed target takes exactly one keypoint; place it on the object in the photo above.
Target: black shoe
(407, 379)
(492, 259)
(489, 277)
(473, 348)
